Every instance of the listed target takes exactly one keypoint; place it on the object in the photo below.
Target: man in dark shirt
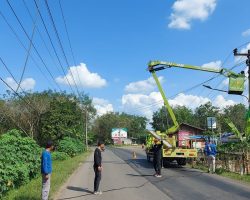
(157, 149)
(98, 167)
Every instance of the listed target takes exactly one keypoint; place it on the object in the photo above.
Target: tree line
(52, 115)
(55, 115)
(198, 117)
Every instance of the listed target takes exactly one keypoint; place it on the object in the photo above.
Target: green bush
(71, 146)
(220, 171)
(59, 155)
(19, 160)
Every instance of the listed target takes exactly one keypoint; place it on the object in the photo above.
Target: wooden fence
(230, 161)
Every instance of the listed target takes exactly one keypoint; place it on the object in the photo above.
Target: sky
(112, 42)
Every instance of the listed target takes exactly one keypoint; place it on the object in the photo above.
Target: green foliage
(63, 114)
(103, 125)
(19, 160)
(62, 170)
(240, 146)
(59, 155)
(162, 120)
(56, 115)
(71, 146)
(236, 114)
(198, 117)
(202, 112)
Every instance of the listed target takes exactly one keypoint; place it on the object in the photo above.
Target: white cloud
(245, 49)
(213, 65)
(26, 85)
(142, 104)
(246, 33)
(102, 106)
(145, 105)
(221, 102)
(225, 82)
(190, 101)
(142, 87)
(185, 11)
(82, 77)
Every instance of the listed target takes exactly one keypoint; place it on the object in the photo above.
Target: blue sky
(114, 40)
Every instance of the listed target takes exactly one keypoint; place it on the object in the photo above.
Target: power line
(6, 67)
(40, 34)
(60, 43)
(28, 54)
(184, 91)
(20, 23)
(67, 33)
(54, 49)
(21, 43)
(27, 103)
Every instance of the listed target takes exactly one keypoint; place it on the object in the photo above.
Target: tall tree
(202, 112)
(236, 114)
(162, 121)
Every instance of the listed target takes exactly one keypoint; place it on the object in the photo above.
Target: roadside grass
(61, 172)
(242, 178)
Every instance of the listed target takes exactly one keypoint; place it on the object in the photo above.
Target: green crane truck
(171, 151)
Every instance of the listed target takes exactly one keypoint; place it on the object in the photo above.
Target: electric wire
(38, 54)
(190, 89)
(22, 44)
(53, 47)
(60, 43)
(28, 54)
(70, 44)
(41, 37)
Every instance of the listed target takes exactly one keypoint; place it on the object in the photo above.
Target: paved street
(127, 178)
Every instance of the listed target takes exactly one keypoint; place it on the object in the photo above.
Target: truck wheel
(182, 161)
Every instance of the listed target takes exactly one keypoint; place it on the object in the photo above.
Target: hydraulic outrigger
(170, 150)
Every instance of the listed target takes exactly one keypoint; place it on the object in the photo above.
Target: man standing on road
(157, 150)
(46, 170)
(98, 167)
(210, 152)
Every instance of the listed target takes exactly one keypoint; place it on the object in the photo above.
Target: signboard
(211, 122)
(183, 138)
(119, 133)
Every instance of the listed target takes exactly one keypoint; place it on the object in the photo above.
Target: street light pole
(86, 128)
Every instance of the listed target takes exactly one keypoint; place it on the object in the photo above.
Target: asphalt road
(126, 178)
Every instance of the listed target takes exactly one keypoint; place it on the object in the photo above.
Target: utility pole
(248, 64)
(86, 128)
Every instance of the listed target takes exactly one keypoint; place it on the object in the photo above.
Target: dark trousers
(157, 165)
(98, 176)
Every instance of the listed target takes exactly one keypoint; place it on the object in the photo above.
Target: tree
(236, 114)
(46, 115)
(103, 125)
(162, 120)
(65, 117)
(202, 112)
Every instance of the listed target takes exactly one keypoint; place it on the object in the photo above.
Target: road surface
(125, 178)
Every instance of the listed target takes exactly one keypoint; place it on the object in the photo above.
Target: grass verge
(61, 172)
(242, 178)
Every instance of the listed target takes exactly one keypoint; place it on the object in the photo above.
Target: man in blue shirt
(46, 170)
(210, 152)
